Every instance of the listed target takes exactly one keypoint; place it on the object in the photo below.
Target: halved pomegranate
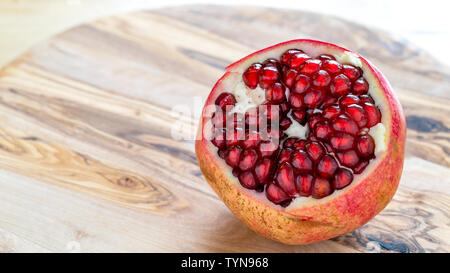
(320, 148)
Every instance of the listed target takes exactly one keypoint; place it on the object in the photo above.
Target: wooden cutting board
(87, 158)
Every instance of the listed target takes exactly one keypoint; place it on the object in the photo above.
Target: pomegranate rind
(337, 214)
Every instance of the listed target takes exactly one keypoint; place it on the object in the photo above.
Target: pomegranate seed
(289, 77)
(285, 155)
(311, 66)
(327, 166)
(286, 57)
(302, 83)
(251, 75)
(267, 148)
(276, 194)
(321, 79)
(248, 160)
(219, 140)
(313, 98)
(349, 99)
(340, 86)
(269, 75)
(251, 140)
(301, 161)
(331, 112)
(298, 59)
(315, 150)
(284, 107)
(342, 179)
(372, 113)
(233, 139)
(296, 100)
(322, 130)
(285, 123)
(324, 57)
(357, 114)
(348, 159)
(272, 62)
(366, 98)
(360, 86)
(365, 145)
(304, 184)
(299, 116)
(341, 141)
(236, 172)
(351, 72)
(300, 144)
(276, 93)
(247, 180)
(263, 170)
(360, 167)
(233, 156)
(328, 102)
(346, 125)
(314, 119)
(332, 67)
(285, 178)
(289, 143)
(321, 188)
(225, 99)
(222, 153)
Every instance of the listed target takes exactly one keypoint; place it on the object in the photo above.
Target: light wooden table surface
(87, 162)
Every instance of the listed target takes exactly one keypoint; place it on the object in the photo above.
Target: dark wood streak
(31, 138)
(213, 61)
(379, 240)
(85, 158)
(425, 124)
(156, 195)
(181, 154)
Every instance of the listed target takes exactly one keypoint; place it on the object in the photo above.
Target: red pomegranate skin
(325, 219)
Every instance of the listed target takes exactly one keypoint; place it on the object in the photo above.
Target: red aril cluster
(330, 97)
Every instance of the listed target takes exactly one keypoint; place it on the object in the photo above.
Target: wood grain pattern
(87, 158)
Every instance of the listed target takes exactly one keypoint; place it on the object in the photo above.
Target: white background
(23, 23)
(424, 23)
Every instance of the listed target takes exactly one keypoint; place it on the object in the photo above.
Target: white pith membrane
(248, 98)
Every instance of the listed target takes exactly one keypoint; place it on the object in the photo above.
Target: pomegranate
(319, 148)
